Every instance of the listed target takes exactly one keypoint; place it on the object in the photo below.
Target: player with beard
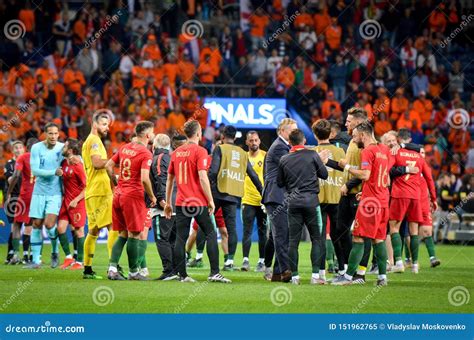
(98, 194)
(373, 212)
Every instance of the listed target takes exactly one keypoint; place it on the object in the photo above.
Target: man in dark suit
(273, 198)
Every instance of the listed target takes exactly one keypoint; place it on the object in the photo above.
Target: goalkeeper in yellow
(98, 193)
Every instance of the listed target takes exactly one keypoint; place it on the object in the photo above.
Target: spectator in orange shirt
(330, 101)
(79, 32)
(399, 105)
(437, 20)
(382, 125)
(424, 107)
(27, 16)
(258, 23)
(322, 20)
(161, 124)
(382, 103)
(46, 72)
(333, 35)
(405, 121)
(303, 19)
(460, 140)
(139, 75)
(215, 56)
(151, 48)
(186, 69)
(176, 119)
(74, 81)
(434, 87)
(205, 71)
(285, 77)
(171, 69)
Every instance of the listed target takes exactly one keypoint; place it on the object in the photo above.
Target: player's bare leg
(397, 246)
(62, 235)
(143, 242)
(113, 272)
(224, 240)
(414, 246)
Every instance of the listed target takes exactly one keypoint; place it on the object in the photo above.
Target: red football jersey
(377, 159)
(132, 157)
(427, 188)
(27, 179)
(186, 161)
(409, 185)
(74, 180)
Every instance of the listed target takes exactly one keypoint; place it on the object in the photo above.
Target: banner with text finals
(237, 326)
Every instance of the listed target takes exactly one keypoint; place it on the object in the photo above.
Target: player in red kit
(73, 208)
(129, 212)
(22, 207)
(406, 202)
(373, 212)
(188, 165)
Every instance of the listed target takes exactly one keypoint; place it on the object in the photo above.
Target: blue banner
(237, 326)
(247, 113)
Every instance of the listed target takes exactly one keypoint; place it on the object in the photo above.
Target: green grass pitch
(445, 289)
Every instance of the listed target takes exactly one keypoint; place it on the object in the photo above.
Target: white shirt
(126, 65)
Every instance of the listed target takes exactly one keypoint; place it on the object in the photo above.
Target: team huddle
(352, 192)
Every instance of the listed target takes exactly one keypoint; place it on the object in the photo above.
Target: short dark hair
(322, 129)
(229, 132)
(30, 142)
(191, 127)
(404, 134)
(335, 125)
(102, 113)
(296, 137)
(142, 127)
(251, 132)
(74, 145)
(49, 125)
(365, 127)
(178, 140)
(357, 113)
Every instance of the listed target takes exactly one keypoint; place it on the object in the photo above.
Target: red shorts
(76, 217)
(219, 217)
(129, 214)
(22, 209)
(405, 207)
(372, 225)
(426, 213)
